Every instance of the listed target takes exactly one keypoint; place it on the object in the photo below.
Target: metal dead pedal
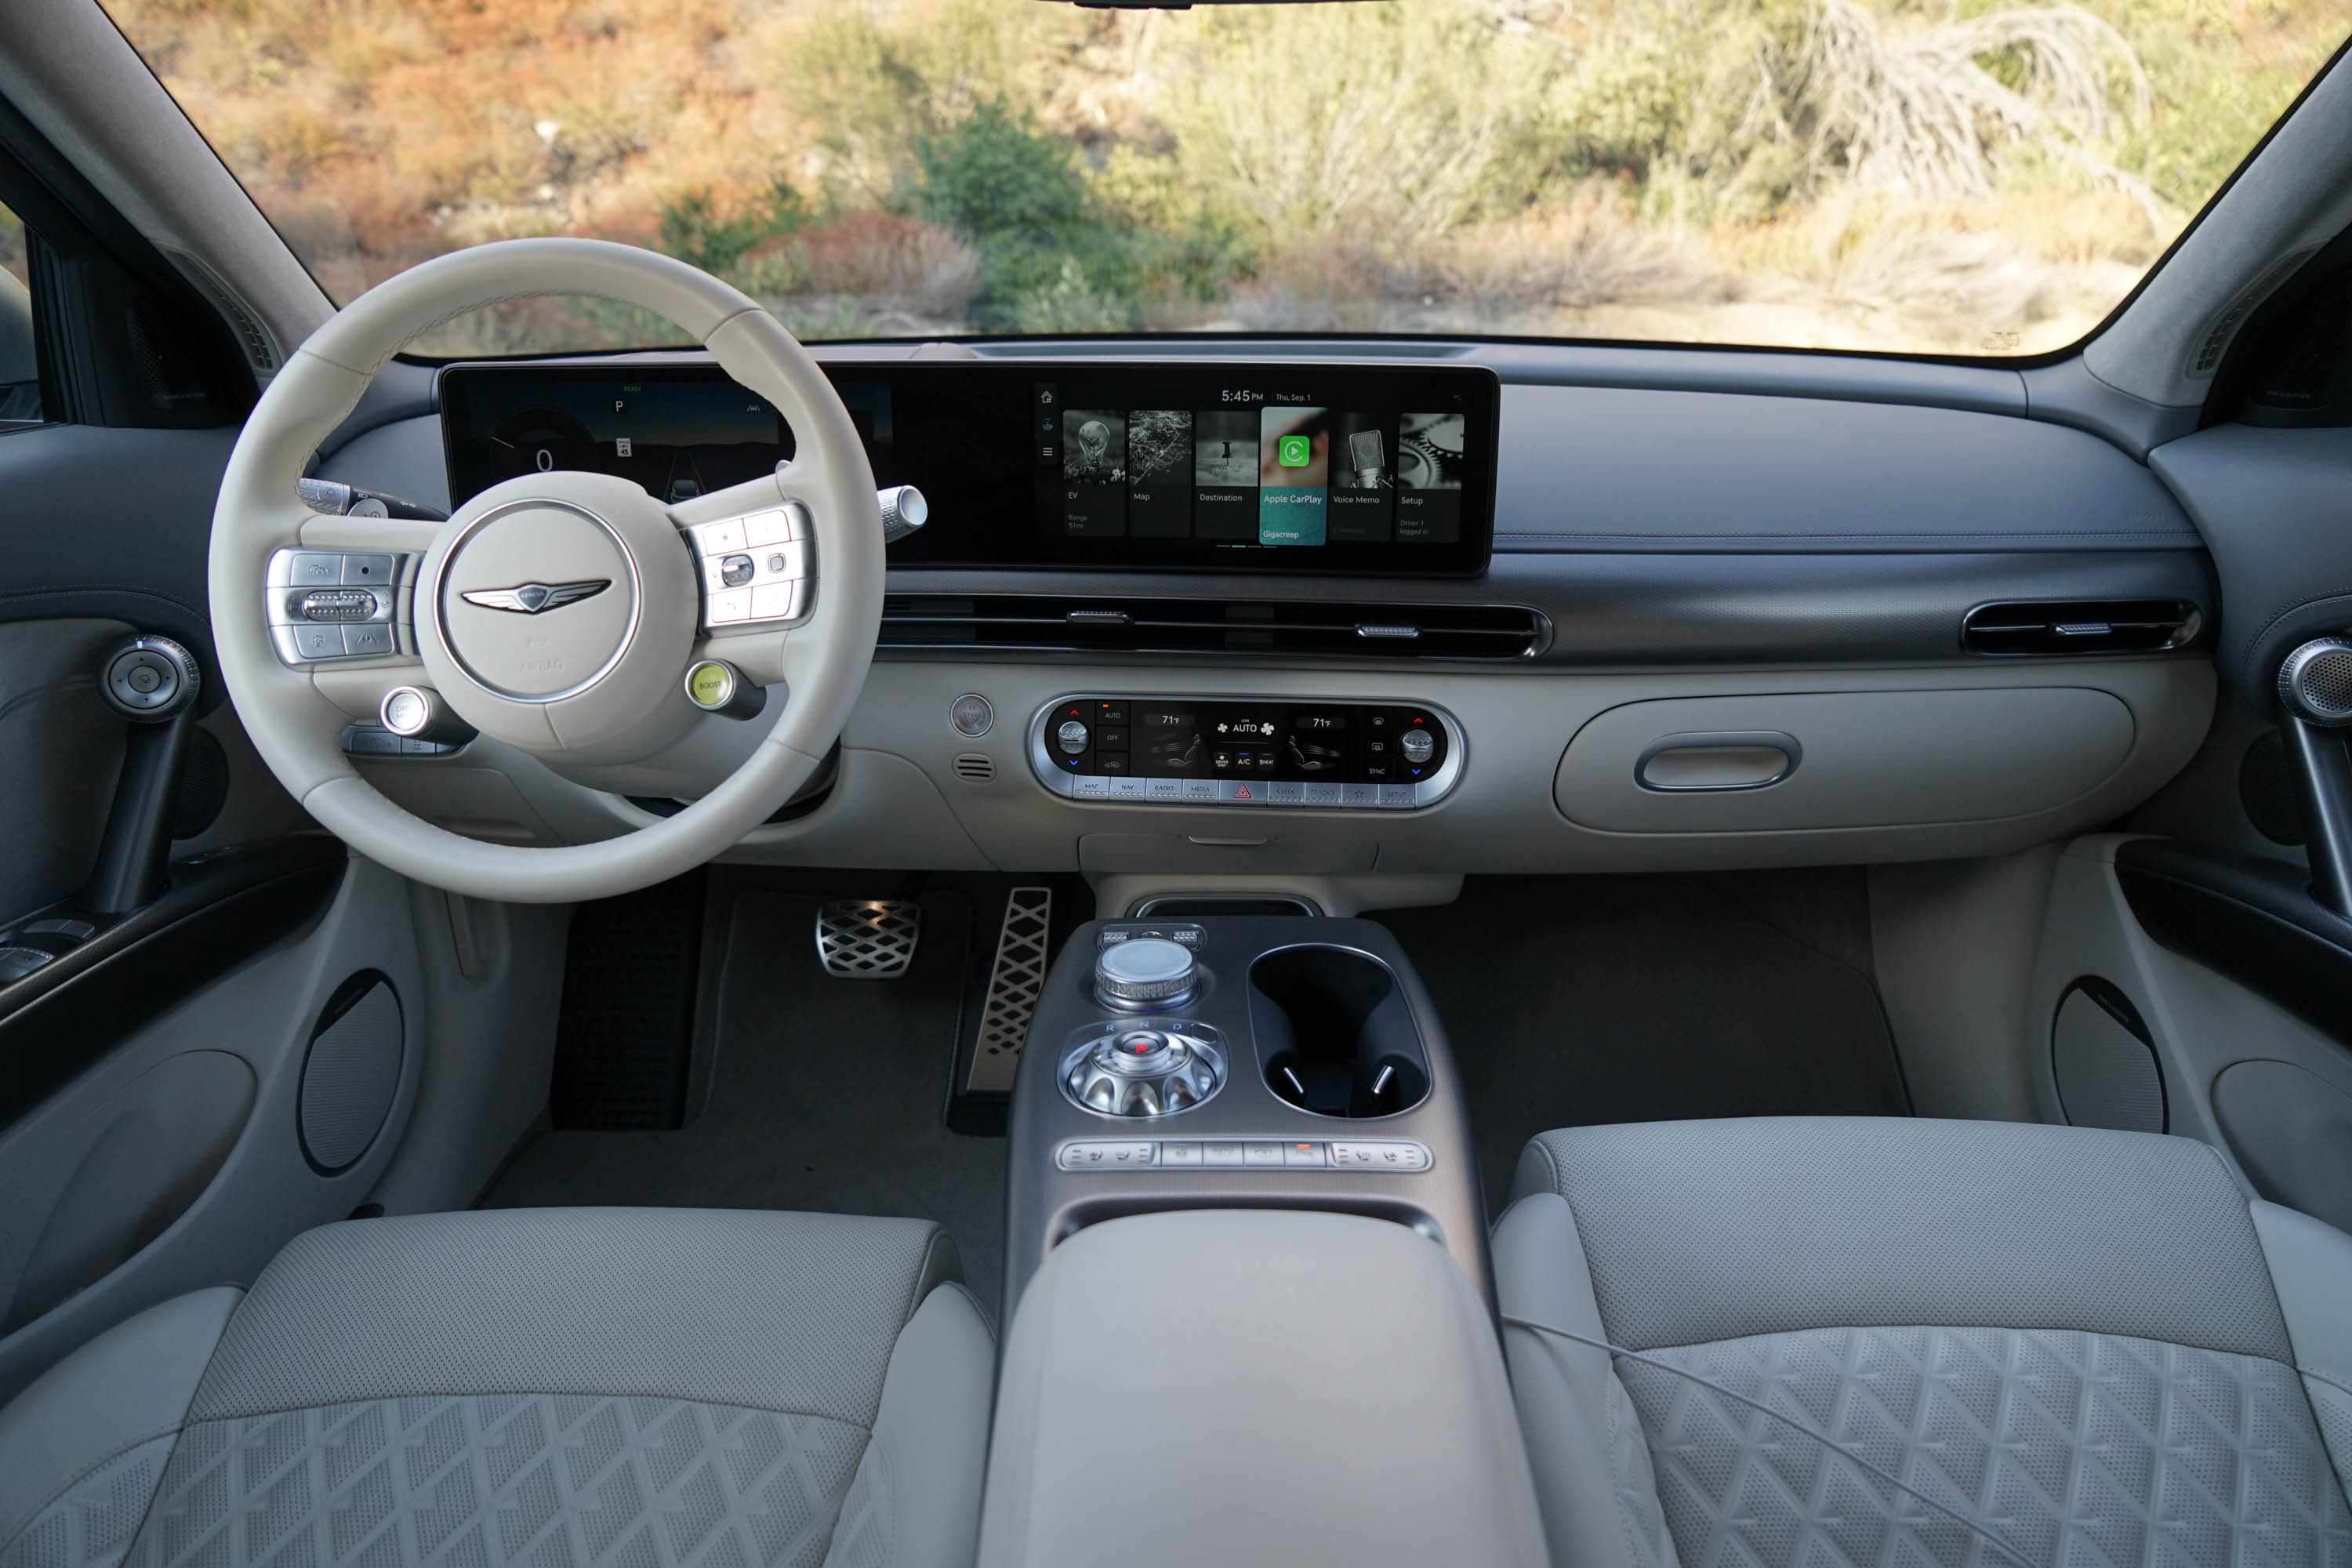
(1014, 983)
(867, 939)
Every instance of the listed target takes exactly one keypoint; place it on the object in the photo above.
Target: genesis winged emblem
(530, 598)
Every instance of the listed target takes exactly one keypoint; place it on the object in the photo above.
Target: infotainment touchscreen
(1315, 467)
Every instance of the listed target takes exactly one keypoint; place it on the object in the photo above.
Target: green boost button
(716, 687)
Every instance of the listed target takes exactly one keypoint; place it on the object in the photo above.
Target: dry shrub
(1320, 120)
(890, 261)
(1510, 274)
(1913, 108)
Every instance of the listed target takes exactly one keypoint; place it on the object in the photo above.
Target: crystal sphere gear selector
(1133, 1069)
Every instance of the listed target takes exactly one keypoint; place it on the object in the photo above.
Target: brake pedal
(867, 939)
(1015, 983)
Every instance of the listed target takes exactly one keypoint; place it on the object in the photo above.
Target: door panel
(59, 748)
(2224, 1049)
(108, 1227)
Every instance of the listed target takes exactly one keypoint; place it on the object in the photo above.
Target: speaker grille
(2317, 681)
(351, 1074)
(2106, 1069)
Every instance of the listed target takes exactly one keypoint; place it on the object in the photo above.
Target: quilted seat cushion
(558, 1387)
(2074, 1338)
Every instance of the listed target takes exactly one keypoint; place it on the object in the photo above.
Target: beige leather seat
(556, 1387)
(2090, 1342)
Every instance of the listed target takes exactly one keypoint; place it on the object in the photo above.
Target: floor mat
(1574, 1001)
(817, 1093)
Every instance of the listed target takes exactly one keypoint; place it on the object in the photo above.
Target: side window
(20, 376)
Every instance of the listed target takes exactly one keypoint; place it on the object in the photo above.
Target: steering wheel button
(763, 528)
(369, 571)
(311, 571)
(722, 538)
(735, 571)
(374, 638)
(734, 605)
(772, 600)
(318, 642)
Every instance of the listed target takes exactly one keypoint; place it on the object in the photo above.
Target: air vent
(1319, 628)
(973, 767)
(2079, 626)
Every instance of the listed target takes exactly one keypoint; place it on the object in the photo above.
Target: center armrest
(1256, 1386)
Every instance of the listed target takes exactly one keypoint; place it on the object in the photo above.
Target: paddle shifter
(2315, 687)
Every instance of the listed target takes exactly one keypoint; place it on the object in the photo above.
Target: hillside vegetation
(1964, 176)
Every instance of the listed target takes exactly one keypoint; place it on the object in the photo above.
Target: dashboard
(1241, 467)
(1649, 611)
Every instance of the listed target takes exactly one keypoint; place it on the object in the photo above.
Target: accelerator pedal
(867, 939)
(1015, 983)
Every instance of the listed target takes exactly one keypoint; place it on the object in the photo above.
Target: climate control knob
(1071, 737)
(1418, 745)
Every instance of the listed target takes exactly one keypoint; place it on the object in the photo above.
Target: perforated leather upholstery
(566, 1386)
(2085, 1340)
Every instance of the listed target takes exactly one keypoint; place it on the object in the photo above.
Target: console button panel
(1395, 1154)
(1236, 752)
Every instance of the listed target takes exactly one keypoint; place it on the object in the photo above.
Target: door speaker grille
(351, 1073)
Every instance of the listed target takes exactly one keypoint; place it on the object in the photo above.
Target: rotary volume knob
(1149, 972)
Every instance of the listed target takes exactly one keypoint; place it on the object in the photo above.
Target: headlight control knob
(1149, 972)
(2315, 684)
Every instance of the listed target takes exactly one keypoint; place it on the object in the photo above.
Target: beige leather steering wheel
(558, 611)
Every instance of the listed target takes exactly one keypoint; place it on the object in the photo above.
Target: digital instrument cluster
(1235, 468)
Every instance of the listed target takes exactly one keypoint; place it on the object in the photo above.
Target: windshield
(1946, 178)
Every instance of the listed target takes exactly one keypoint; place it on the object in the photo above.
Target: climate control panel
(1244, 751)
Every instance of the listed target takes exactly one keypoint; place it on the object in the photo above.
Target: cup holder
(1336, 1033)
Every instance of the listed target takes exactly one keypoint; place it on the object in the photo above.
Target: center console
(1261, 1062)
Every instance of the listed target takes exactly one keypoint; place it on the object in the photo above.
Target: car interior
(1068, 944)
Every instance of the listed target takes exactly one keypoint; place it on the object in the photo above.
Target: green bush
(695, 231)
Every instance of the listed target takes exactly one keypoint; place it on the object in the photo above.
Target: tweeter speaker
(2104, 1061)
(351, 1072)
